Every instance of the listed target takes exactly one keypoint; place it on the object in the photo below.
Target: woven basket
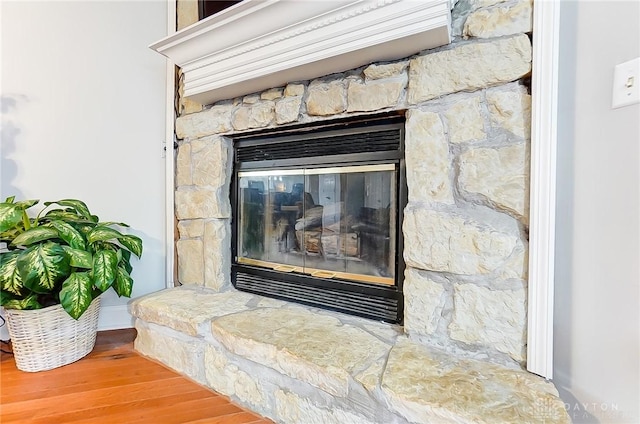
(43, 339)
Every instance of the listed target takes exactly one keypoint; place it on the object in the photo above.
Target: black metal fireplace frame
(373, 301)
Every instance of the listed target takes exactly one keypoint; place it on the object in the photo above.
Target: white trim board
(543, 187)
(169, 152)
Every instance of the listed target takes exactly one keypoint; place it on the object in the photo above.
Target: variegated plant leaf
(85, 229)
(110, 223)
(10, 215)
(105, 264)
(10, 234)
(29, 302)
(79, 258)
(10, 279)
(76, 293)
(41, 266)
(26, 204)
(5, 296)
(35, 235)
(125, 261)
(78, 205)
(124, 283)
(133, 243)
(65, 215)
(102, 233)
(69, 234)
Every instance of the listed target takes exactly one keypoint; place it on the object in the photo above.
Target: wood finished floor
(111, 385)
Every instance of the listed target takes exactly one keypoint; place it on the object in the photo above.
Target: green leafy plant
(62, 255)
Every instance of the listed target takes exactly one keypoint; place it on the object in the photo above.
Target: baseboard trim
(114, 317)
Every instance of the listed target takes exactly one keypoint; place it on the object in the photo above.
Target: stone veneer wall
(467, 155)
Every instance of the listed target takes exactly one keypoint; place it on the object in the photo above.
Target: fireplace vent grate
(369, 306)
(362, 142)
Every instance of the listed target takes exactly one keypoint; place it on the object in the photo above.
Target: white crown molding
(259, 44)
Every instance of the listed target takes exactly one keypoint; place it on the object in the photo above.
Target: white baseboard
(114, 318)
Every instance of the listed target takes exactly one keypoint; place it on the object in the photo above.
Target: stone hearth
(460, 353)
(302, 365)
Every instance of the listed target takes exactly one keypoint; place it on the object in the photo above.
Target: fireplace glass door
(333, 222)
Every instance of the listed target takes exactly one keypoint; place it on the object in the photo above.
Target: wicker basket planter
(48, 338)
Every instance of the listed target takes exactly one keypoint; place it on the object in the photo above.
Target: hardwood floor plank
(68, 376)
(113, 384)
(171, 411)
(79, 367)
(239, 418)
(40, 391)
(187, 411)
(39, 408)
(122, 412)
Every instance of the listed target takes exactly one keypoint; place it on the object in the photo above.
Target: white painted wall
(83, 116)
(597, 321)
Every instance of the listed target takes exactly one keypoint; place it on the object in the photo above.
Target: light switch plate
(626, 84)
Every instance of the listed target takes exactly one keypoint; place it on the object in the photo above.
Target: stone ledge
(276, 358)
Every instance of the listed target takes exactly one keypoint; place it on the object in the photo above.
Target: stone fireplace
(466, 164)
(459, 354)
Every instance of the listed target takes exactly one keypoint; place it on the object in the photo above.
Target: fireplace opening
(317, 215)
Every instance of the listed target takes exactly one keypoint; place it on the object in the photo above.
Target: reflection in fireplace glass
(336, 222)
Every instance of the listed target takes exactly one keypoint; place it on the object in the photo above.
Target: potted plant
(59, 260)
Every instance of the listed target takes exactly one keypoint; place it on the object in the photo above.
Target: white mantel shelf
(260, 44)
